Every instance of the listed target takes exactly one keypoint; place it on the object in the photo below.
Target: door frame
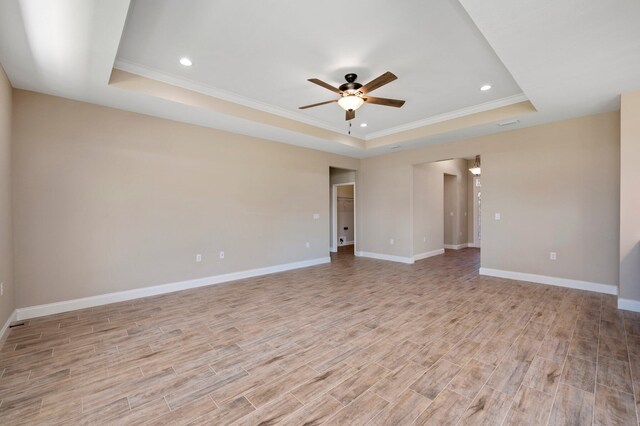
(334, 216)
(476, 242)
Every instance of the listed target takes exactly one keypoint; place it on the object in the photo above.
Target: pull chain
(349, 126)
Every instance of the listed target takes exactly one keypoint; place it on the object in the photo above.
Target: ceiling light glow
(363, 125)
(186, 62)
(475, 170)
(485, 87)
(350, 102)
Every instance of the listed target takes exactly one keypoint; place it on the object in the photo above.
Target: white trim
(472, 245)
(629, 305)
(439, 118)
(428, 254)
(456, 246)
(13, 317)
(559, 282)
(476, 189)
(347, 243)
(225, 95)
(103, 299)
(388, 257)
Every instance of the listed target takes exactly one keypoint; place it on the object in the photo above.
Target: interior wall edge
(5, 328)
(427, 254)
(381, 256)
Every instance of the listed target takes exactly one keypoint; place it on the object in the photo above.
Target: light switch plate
(498, 216)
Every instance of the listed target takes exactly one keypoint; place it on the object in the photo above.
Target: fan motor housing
(351, 85)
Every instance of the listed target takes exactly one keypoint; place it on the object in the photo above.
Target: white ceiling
(569, 57)
(265, 55)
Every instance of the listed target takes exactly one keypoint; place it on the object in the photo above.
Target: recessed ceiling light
(186, 62)
(363, 124)
(485, 87)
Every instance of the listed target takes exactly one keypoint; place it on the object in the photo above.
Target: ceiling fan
(352, 94)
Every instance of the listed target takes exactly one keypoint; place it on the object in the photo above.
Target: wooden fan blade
(318, 104)
(325, 85)
(385, 78)
(384, 101)
(351, 114)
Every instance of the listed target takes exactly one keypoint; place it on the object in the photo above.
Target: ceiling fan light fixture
(350, 102)
(475, 170)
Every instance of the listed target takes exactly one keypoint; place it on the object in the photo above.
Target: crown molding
(188, 84)
(439, 118)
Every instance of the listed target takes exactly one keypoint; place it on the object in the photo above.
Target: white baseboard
(389, 257)
(629, 305)
(121, 296)
(559, 282)
(472, 245)
(456, 246)
(428, 254)
(5, 327)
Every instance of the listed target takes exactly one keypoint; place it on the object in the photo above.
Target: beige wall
(7, 302)
(630, 197)
(108, 200)
(556, 187)
(428, 219)
(431, 218)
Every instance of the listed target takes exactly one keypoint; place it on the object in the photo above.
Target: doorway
(343, 217)
(477, 211)
(450, 204)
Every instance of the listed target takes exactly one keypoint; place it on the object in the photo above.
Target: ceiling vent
(508, 123)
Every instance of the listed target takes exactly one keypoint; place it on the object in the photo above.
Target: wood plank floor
(356, 342)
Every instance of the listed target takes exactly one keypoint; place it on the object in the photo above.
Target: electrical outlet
(198, 258)
(1, 289)
(498, 216)
(424, 239)
(451, 214)
(308, 244)
(316, 216)
(221, 255)
(553, 256)
(392, 241)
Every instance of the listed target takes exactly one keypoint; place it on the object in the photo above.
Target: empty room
(304, 213)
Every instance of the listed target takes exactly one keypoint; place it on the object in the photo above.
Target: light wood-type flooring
(354, 342)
